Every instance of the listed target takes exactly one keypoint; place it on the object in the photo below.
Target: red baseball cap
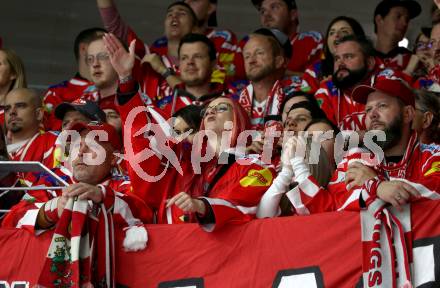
(113, 136)
(390, 82)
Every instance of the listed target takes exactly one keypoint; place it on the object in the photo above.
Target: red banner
(323, 250)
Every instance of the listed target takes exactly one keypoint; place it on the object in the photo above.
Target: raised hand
(122, 61)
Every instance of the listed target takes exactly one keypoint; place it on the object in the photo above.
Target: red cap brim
(361, 92)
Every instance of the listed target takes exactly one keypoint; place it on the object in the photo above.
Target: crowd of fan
(198, 77)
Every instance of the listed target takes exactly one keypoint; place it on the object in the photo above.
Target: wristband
(168, 72)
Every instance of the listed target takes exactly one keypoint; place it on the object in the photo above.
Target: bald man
(23, 116)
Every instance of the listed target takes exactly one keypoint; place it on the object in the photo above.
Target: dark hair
(191, 115)
(323, 120)
(193, 38)
(191, 11)
(87, 36)
(327, 63)
(383, 11)
(430, 102)
(366, 45)
(286, 99)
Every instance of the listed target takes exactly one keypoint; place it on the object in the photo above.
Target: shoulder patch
(257, 178)
(225, 34)
(433, 148)
(435, 167)
(316, 36)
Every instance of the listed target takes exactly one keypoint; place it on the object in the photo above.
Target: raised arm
(114, 23)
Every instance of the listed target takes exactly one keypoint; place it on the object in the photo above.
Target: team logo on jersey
(434, 168)
(257, 178)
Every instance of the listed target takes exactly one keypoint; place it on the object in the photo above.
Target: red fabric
(182, 99)
(306, 48)
(66, 91)
(226, 45)
(336, 103)
(397, 59)
(246, 252)
(419, 166)
(40, 148)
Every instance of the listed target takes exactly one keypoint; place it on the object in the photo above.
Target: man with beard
(408, 172)
(23, 117)
(354, 64)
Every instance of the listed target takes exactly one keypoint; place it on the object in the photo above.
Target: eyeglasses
(433, 43)
(103, 56)
(424, 45)
(219, 108)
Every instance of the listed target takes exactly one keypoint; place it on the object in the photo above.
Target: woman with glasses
(421, 61)
(213, 185)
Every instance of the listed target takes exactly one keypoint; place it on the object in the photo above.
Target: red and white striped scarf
(385, 250)
(70, 258)
(272, 107)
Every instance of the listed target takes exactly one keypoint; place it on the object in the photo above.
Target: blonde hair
(17, 68)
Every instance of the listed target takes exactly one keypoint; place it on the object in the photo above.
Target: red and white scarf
(70, 256)
(385, 250)
(272, 106)
(81, 252)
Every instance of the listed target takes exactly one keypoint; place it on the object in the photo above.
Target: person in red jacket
(283, 15)
(391, 21)
(87, 210)
(72, 89)
(409, 170)
(217, 190)
(354, 64)
(23, 116)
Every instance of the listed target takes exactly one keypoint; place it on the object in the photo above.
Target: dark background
(42, 32)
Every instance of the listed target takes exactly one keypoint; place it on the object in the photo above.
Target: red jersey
(117, 196)
(396, 59)
(39, 148)
(306, 49)
(181, 98)
(336, 103)
(225, 43)
(354, 122)
(257, 111)
(66, 91)
(419, 167)
(233, 198)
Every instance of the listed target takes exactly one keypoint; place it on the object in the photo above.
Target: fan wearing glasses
(421, 61)
(210, 190)
(431, 82)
